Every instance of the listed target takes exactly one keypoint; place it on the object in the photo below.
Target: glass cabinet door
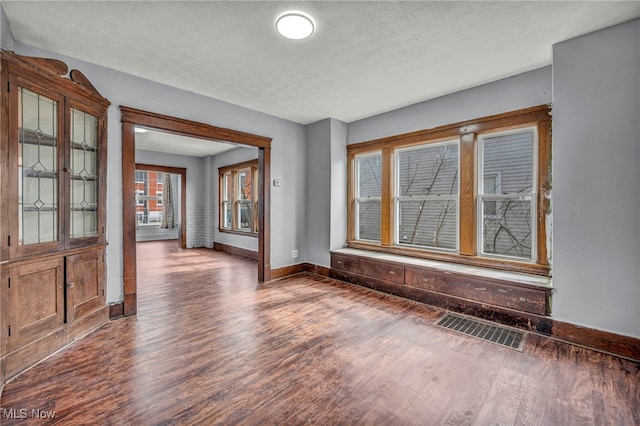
(83, 174)
(38, 206)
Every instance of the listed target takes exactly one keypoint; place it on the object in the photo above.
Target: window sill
(481, 263)
(235, 232)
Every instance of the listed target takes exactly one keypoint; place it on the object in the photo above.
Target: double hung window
(239, 198)
(507, 194)
(472, 192)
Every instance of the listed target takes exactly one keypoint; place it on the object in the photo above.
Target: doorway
(133, 117)
(151, 193)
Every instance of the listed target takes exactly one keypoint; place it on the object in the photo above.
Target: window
(506, 226)
(368, 189)
(239, 198)
(245, 200)
(148, 197)
(469, 192)
(426, 196)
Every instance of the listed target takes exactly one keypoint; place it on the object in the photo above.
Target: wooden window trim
(467, 132)
(233, 169)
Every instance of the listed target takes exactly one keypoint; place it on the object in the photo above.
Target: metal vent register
(484, 330)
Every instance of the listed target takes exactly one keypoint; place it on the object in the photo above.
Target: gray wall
(338, 223)
(520, 91)
(326, 203)
(596, 178)
(213, 163)
(287, 156)
(6, 39)
(318, 202)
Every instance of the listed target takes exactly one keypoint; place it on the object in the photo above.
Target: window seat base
(478, 291)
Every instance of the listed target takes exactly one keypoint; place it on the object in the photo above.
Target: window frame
(469, 238)
(231, 172)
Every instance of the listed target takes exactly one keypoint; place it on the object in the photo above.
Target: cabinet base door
(85, 283)
(36, 300)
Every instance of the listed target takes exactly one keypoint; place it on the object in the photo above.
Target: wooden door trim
(183, 193)
(131, 118)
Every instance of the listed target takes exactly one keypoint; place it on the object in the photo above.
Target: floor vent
(484, 330)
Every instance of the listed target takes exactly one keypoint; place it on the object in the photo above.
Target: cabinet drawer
(384, 271)
(346, 263)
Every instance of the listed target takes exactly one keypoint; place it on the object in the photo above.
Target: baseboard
(604, 341)
(316, 269)
(286, 271)
(236, 250)
(116, 310)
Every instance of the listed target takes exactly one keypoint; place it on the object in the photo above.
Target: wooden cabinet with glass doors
(52, 210)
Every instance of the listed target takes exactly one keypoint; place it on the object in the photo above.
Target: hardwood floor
(212, 346)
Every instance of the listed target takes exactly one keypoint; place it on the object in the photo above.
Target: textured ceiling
(153, 140)
(365, 57)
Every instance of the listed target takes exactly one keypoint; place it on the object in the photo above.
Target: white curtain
(168, 217)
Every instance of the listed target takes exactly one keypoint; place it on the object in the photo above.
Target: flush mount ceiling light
(295, 25)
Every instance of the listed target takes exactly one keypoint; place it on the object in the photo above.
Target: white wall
(287, 156)
(213, 163)
(596, 179)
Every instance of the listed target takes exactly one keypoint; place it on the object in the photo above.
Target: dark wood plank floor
(211, 346)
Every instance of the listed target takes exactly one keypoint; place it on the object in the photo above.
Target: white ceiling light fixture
(295, 25)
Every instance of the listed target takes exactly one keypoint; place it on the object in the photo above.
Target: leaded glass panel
(84, 174)
(37, 168)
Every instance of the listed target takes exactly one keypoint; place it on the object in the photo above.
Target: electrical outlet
(294, 253)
